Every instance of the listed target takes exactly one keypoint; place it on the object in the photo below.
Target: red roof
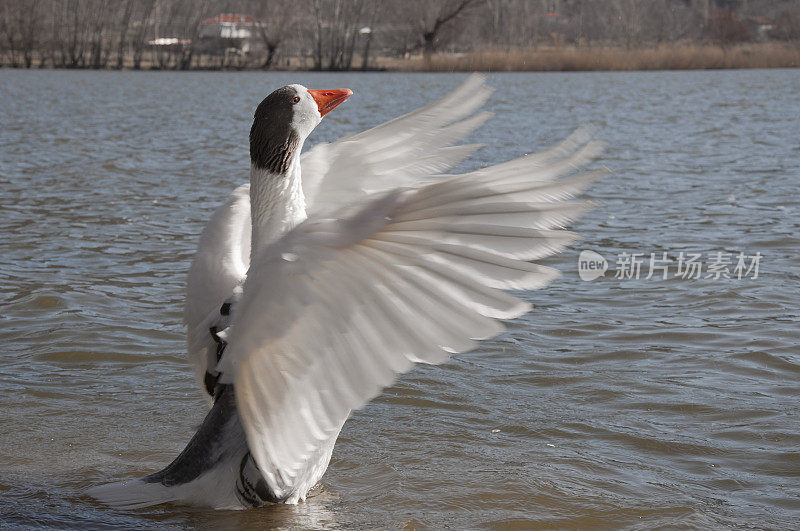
(235, 18)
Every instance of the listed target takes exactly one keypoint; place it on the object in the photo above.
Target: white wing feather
(220, 265)
(337, 307)
(397, 153)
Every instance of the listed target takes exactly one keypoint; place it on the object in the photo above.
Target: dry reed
(563, 58)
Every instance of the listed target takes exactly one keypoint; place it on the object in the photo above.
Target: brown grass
(666, 57)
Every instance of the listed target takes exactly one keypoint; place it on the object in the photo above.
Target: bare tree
(99, 19)
(30, 26)
(277, 21)
(21, 27)
(336, 30)
(9, 33)
(189, 31)
(430, 18)
(787, 26)
(512, 23)
(165, 19)
(142, 29)
(725, 28)
(625, 21)
(124, 25)
(368, 35)
(76, 32)
(671, 21)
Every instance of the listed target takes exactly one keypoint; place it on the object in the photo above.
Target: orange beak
(327, 100)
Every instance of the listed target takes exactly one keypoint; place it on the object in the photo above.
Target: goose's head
(284, 119)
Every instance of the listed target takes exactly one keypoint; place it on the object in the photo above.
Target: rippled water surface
(617, 402)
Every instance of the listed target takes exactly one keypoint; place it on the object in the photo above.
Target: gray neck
(277, 203)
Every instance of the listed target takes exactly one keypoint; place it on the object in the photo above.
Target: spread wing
(334, 310)
(397, 153)
(220, 265)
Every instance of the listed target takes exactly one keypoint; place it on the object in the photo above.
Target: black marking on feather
(221, 343)
(210, 382)
(273, 141)
(211, 379)
(250, 494)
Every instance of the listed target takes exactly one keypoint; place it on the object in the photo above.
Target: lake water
(619, 402)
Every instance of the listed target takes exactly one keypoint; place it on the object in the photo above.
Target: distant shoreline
(664, 57)
(542, 59)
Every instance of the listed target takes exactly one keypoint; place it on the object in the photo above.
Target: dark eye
(296, 99)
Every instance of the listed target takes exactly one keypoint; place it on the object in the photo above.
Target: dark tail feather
(215, 469)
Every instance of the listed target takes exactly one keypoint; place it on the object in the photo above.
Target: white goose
(374, 260)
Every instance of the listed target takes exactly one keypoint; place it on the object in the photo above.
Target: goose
(336, 270)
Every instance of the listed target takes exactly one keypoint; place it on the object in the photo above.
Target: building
(232, 31)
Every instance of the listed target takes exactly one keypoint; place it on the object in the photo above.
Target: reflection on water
(641, 402)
